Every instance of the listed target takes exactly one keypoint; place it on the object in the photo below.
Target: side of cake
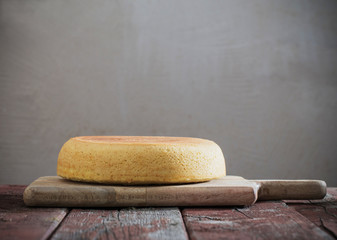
(135, 160)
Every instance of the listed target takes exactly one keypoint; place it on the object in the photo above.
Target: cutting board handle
(291, 189)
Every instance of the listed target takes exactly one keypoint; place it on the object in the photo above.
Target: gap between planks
(264, 220)
(126, 223)
(21, 222)
(323, 212)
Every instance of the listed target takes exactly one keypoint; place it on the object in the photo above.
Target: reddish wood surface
(264, 220)
(333, 192)
(19, 222)
(140, 223)
(321, 212)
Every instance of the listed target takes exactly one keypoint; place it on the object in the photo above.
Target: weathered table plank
(333, 192)
(19, 222)
(264, 220)
(321, 212)
(140, 223)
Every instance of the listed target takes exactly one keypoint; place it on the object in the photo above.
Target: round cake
(135, 160)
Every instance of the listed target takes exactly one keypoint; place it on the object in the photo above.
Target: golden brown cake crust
(142, 140)
(140, 160)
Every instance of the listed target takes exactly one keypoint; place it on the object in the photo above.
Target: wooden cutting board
(53, 191)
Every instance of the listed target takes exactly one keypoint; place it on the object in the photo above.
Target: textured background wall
(257, 77)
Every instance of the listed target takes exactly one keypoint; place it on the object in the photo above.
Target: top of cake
(143, 140)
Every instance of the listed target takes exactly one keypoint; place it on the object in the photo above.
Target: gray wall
(257, 77)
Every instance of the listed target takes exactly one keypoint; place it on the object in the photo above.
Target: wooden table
(264, 220)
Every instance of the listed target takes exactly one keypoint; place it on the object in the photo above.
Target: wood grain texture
(142, 223)
(291, 189)
(315, 219)
(321, 212)
(19, 222)
(55, 191)
(226, 191)
(264, 220)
